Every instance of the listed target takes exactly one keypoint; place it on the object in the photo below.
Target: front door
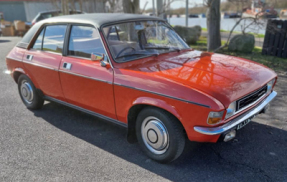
(86, 83)
(44, 58)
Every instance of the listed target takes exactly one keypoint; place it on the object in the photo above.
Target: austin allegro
(136, 71)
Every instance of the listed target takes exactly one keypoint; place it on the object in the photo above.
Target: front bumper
(233, 123)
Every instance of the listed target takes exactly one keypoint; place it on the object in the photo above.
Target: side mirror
(100, 57)
(97, 56)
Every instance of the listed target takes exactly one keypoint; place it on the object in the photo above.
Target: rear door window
(83, 41)
(38, 43)
(51, 39)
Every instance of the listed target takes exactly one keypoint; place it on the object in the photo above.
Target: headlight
(270, 85)
(230, 110)
(214, 117)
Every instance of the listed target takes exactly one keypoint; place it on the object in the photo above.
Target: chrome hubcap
(27, 92)
(155, 135)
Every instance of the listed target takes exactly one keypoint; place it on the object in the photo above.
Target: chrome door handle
(29, 57)
(67, 66)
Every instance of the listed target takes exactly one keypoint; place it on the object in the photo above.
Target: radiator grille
(251, 98)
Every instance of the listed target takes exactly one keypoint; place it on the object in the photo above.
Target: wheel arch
(19, 71)
(141, 103)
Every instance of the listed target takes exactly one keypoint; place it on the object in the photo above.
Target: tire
(28, 93)
(160, 135)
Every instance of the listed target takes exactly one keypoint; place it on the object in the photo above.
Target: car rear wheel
(160, 134)
(28, 93)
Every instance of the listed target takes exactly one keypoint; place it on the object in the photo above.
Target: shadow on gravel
(3, 41)
(258, 153)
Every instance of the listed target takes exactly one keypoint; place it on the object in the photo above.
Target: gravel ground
(61, 144)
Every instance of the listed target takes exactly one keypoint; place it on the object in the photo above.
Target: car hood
(226, 78)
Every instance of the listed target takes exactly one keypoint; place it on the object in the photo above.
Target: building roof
(99, 19)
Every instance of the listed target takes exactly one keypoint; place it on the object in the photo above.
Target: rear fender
(21, 70)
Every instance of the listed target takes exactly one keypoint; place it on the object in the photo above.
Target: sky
(174, 5)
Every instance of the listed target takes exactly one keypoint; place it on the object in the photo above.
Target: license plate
(244, 123)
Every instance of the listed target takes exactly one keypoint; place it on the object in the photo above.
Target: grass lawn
(275, 63)
(255, 34)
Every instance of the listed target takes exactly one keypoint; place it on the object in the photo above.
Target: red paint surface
(87, 93)
(46, 79)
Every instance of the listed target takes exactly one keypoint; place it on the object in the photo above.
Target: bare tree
(213, 24)
(131, 6)
(143, 10)
(247, 23)
(81, 5)
(165, 6)
(65, 7)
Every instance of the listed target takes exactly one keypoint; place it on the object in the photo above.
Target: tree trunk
(81, 5)
(65, 7)
(130, 6)
(213, 25)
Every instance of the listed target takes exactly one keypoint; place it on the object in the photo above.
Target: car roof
(99, 19)
(96, 19)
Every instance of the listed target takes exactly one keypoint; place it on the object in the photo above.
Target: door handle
(29, 57)
(67, 66)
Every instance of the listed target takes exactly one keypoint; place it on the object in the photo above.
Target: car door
(43, 60)
(85, 83)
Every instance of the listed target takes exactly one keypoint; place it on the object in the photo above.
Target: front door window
(84, 41)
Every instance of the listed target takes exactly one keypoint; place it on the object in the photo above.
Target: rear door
(86, 83)
(43, 60)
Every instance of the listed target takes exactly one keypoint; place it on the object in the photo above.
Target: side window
(38, 43)
(85, 40)
(54, 38)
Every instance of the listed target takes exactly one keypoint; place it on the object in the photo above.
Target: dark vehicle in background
(193, 16)
(49, 14)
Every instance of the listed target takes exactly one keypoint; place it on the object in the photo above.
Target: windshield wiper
(162, 47)
(153, 54)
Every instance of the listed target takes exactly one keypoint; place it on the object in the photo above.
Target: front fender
(157, 103)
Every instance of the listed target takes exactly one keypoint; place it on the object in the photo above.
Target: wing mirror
(100, 57)
(97, 57)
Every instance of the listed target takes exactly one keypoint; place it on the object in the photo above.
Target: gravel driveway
(58, 143)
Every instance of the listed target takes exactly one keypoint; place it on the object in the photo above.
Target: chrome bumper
(231, 124)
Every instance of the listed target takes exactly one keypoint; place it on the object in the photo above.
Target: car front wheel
(160, 134)
(28, 93)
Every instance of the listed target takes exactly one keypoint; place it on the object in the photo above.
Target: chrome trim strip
(36, 64)
(171, 97)
(233, 123)
(87, 111)
(85, 76)
(15, 59)
(78, 57)
(51, 52)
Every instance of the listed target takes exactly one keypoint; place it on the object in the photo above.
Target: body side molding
(163, 95)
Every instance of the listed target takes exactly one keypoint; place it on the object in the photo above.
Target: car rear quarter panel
(14, 61)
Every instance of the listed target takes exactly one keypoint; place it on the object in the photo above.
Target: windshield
(134, 40)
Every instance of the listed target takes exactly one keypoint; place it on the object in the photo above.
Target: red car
(136, 71)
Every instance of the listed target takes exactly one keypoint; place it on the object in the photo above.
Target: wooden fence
(275, 41)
